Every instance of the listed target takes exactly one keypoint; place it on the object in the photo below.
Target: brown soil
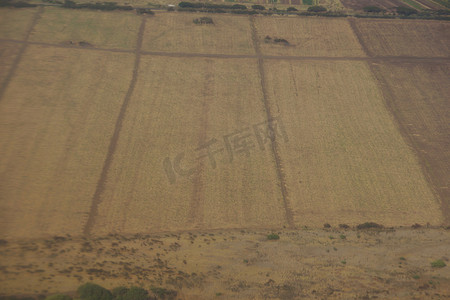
(331, 263)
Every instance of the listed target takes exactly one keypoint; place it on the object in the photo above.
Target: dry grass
(8, 52)
(14, 22)
(176, 32)
(308, 37)
(406, 38)
(57, 117)
(240, 265)
(116, 30)
(346, 162)
(172, 112)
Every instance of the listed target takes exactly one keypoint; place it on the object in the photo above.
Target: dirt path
(273, 140)
(22, 49)
(243, 56)
(96, 200)
(198, 197)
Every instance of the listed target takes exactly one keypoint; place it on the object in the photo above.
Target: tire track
(358, 35)
(96, 199)
(274, 145)
(197, 197)
(22, 49)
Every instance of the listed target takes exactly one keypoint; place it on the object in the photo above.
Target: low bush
(438, 263)
(163, 293)
(18, 4)
(369, 225)
(258, 7)
(317, 9)
(203, 20)
(146, 11)
(273, 236)
(133, 293)
(92, 291)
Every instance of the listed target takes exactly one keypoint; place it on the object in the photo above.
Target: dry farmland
(404, 38)
(160, 134)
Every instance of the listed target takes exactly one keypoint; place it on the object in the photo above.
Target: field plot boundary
(273, 141)
(22, 49)
(113, 143)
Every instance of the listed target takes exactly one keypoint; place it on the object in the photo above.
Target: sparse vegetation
(317, 9)
(163, 293)
(258, 7)
(438, 263)
(273, 236)
(107, 6)
(369, 225)
(268, 39)
(203, 20)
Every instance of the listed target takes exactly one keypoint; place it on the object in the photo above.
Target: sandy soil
(330, 263)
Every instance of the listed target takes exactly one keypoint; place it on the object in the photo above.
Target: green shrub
(238, 6)
(317, 9)
(257, 6)
(163, 293)
(405, 11)
(92, 291)
(438, 263)
(134, 293)
(373, 9)
(58, 297)
(203, 20)
(118, 292)
(292, 9)
(369, 225)
(18, 4)
(147, 11)
(273, 236)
